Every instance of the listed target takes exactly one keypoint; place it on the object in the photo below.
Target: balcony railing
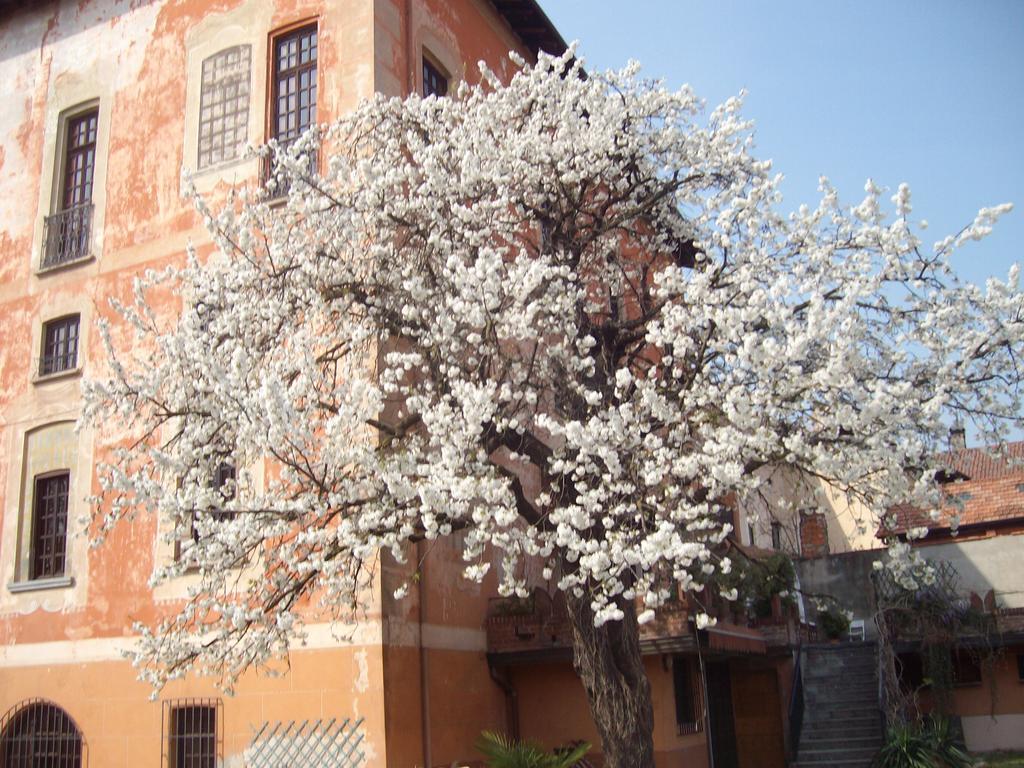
(68, 235)
(52, 364)
(278, 186)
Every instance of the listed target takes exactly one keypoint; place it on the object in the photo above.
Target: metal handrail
(796, 703)
(67, 235)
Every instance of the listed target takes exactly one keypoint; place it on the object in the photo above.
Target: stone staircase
(842, 727)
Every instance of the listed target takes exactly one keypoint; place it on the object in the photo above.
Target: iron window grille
(689, 703)
(293, 97)
(60, 345)
(193, 733)
(39, 734)
(68, 230)
(435, 82)
(224, 105)
(49, 526)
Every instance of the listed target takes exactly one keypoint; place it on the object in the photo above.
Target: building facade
(108, 100)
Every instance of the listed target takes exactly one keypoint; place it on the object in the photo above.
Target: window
(192, 736)
(60, 345)
(1020, 667)
(293, 94)
(966, 668)
(435, 83)
(38, 734)
(687, 696)
(776, 535)
(224, 105)
(294, 97)
(223, 481)
(68, 230)
(910, 670)
(49, 526)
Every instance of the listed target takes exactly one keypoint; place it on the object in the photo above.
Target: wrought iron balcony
(68, 234)
(48, 365)
(278, 186)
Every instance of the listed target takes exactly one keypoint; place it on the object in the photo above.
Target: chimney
(957, 437)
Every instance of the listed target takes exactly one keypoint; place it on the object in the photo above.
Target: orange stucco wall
(121, 727)
(553, 710)
(140, 62)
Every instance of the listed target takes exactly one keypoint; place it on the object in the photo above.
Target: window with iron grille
(192, 733)
(435, 83)
(68, 230)
(687, 696)
(49, 526)
(224, 105)
(60, 345)
(776, 535)
(38, 734)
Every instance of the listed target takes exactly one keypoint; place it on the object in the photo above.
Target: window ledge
(37, 585)
(64, 265)
(44, 378)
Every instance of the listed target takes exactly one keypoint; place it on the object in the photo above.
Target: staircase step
(835, 756)
(839, 741)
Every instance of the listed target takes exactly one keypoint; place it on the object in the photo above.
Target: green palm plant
(503, 752)
(915, 745)
(946, 745)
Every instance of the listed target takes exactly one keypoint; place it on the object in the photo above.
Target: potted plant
(834, 623)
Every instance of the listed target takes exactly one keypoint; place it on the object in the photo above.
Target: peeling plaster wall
(139, 61)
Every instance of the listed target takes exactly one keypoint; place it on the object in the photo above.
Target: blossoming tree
(562, 315)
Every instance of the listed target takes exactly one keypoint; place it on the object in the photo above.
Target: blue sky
(930, 92)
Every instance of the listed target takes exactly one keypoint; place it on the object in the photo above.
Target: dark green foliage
(758, 581)
(834, 623)
(503, 752)
(932, 744)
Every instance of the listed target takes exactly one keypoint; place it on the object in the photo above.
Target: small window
(776, 535)
(224, 105)
(49, 526)
(687, 696)
(192, 736)
(910, 670)
(435, 83)
(966, 668)
(68, 229)
(1020, 667)
(60, 345)
(225, 483)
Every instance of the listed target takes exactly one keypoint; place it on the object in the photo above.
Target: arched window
(39, 734)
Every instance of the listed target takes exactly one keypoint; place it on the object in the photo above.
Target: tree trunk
(608, 661)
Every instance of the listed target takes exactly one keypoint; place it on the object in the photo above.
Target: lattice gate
(296, 744)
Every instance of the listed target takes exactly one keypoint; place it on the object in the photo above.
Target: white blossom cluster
(562, 315)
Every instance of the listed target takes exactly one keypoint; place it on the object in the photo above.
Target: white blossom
(586, 281)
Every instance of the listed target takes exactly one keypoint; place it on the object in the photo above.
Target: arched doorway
(39, 734)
